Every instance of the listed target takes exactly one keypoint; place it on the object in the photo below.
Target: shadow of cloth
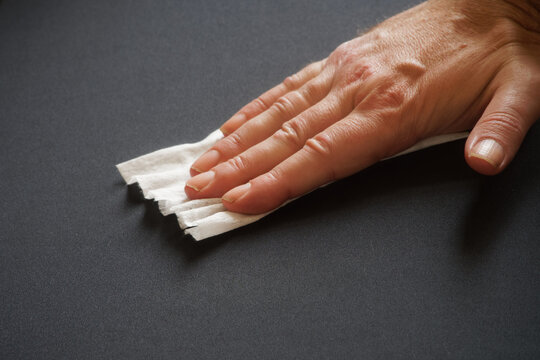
(169, 229)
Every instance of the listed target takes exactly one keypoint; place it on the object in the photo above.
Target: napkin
(162, 175)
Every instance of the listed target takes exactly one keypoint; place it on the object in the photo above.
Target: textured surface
(416, 257)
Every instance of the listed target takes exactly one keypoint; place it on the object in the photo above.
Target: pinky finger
(263, 102)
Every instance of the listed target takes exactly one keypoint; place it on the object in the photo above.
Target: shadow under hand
(427, 169)
(499, 198)
(394, 177)
(488, 215)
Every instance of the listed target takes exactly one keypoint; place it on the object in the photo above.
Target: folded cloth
(162, 175)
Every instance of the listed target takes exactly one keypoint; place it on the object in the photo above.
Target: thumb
(498, 134)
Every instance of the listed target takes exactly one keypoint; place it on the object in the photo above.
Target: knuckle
(233, 141)
(347, 53)
(320, 145)
(392, 97)
(310, 92)
(274, 175)
(380, 34)
(360, 73)
(343, 51)
(237, 163)
(506, 32)
(322, 64)
(283, 106)
(314, 66)
(290, 134)
(260, 103)
(387, 95)
(296, 80)
(504, 122)
(291, 82)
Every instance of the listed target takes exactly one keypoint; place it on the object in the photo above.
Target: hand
(441, 67)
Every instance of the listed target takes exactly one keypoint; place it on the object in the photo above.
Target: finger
(267, 154)
(344, 148)
(263, 102)
(265, 124)
(498, 134)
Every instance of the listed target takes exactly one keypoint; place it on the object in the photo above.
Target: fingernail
(200, 181)
(236, 193)
(224, 131)
(207, 161)
(233, 123)
(490, 151)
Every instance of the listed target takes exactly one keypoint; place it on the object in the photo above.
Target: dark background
(415, 258)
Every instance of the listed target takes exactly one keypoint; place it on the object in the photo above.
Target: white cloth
(162, 175)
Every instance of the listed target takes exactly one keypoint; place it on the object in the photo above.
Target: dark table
(415, 258)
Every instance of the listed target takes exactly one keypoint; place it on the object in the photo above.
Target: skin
(441, 67)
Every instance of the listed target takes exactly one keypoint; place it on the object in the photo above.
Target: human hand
(441, 67)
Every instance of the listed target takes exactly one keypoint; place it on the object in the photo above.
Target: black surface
(415, 258)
